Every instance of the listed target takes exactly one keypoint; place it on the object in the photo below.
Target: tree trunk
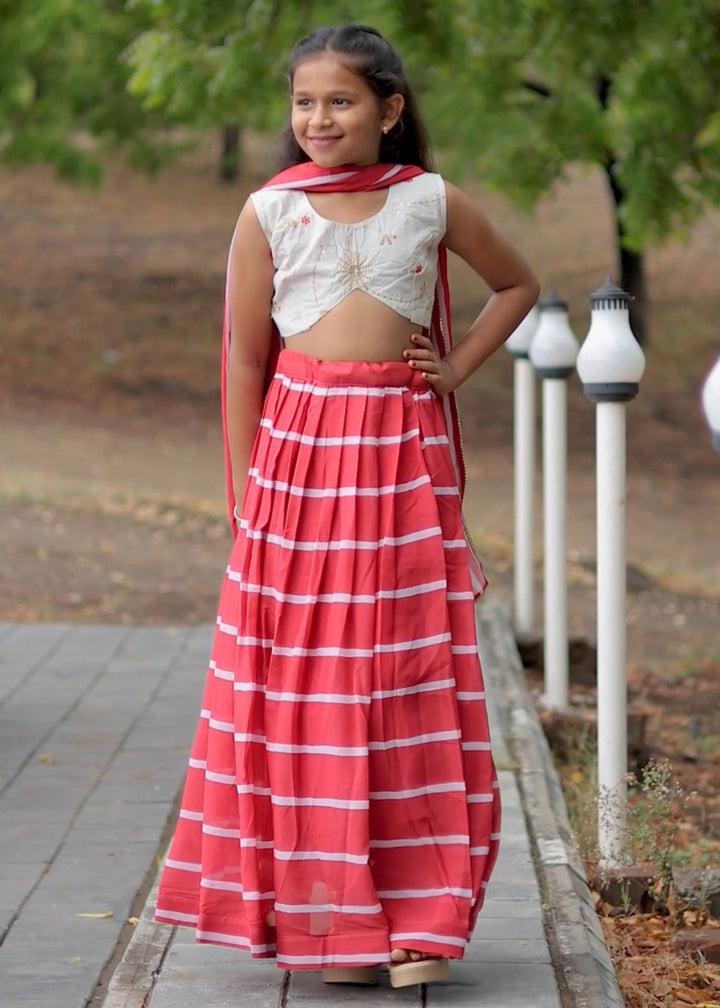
(632, 270)
(229, 169)
(632, 264)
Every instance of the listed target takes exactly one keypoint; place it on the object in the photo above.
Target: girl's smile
(336, 117)
(323, 142)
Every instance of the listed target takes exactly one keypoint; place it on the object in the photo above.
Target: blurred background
(130, 135)
(131, 132)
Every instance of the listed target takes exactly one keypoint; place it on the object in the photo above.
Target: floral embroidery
(352, 269)
(387, 239)
(304, 219)
(288, 222)
(418, 268)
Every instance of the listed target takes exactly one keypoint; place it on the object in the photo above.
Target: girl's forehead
(327, 71)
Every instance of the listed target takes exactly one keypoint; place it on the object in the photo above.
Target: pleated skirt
(341, 798)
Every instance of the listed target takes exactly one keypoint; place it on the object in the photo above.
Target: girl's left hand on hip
(438, 373)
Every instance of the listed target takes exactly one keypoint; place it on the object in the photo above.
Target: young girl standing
(341, 808)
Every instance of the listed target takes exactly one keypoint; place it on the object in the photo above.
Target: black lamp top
(552, 302)
(609, 296)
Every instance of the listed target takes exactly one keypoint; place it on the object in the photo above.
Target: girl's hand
(437, 371)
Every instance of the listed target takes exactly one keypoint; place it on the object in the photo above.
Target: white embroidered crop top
(391, 255)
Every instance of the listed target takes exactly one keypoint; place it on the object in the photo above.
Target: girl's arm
(250, 287)
(514, 285)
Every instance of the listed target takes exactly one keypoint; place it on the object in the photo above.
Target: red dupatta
(308, 176)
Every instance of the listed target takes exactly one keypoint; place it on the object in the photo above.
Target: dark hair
(371, 57)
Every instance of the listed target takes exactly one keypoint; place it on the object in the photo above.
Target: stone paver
(95, 724)
(86, 788)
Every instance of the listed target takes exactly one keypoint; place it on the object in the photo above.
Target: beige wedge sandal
(416, 971)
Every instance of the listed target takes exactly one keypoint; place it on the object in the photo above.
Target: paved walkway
(95, 723)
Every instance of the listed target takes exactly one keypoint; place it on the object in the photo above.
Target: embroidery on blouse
(353, 269)
(391, 256)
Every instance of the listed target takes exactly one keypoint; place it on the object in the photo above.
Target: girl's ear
(391, 111)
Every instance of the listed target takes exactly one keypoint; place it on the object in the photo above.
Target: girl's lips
(324, 141)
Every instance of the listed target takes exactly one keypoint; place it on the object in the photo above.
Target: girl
(341, 809)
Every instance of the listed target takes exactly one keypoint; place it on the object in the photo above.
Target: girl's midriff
(358, 328)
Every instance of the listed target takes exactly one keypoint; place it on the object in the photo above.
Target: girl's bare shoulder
(472, 236)
(460, 206)
(249, 233)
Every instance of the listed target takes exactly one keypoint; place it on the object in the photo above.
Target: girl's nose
(320, 115)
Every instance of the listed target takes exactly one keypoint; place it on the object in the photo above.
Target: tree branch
(602, 90)
(540, 89)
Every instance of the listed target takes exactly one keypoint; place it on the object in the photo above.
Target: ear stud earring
(385, 129)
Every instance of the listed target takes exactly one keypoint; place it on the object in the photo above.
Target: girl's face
(335, 116)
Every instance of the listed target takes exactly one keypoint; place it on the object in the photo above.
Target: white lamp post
(610, 365)
(711, 403)
(553, 352)
(518, 345)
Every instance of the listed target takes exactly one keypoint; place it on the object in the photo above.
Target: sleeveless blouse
(391, 255)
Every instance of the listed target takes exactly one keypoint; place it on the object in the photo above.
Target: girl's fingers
(422, 358)
(431, 365)
(420, 355)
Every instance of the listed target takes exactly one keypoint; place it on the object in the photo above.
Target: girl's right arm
(250, 290)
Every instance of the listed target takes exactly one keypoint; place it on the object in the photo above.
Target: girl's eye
(340, 101)
(302, 102)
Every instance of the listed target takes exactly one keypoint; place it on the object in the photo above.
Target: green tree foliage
(63, 85)
(208, 62)
(512, 92)
(632, 87)
(219, 63)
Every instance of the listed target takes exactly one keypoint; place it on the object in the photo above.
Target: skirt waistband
(373, 374)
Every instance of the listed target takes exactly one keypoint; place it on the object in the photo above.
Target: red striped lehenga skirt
(341, 798)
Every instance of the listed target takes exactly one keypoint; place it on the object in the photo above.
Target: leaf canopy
(511, 93)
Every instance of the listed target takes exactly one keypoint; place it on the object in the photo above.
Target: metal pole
(554, 514)
(611, 643)
(524, 489)
(610, 365)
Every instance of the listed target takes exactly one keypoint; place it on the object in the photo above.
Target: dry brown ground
(111, 487)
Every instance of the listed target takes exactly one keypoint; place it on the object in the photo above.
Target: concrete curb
(584, 971)
(134, 977)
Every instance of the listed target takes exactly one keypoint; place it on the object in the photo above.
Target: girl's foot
(368, 976)
(408, 967)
